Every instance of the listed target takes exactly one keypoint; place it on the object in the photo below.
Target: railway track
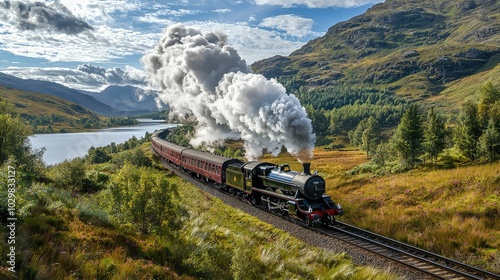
(433, 265)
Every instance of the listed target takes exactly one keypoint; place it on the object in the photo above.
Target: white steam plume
(199, 75)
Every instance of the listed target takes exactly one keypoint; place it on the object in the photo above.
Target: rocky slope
(431, 51)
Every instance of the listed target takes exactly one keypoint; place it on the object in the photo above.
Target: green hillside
(434, 52)
(48, 114)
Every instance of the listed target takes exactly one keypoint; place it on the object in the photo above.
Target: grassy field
(63, 234)
(454, 212)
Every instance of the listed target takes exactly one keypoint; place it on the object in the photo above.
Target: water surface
(61, 146)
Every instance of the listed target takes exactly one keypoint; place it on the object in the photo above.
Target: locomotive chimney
(306, 168)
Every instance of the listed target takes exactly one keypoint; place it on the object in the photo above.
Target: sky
(91, 44)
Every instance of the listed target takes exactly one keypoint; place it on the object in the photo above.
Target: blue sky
(58, 40)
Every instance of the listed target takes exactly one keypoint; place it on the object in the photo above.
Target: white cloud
(155, 20)
(293, 25)
(113, 36)
(102, 45)
(85, 77)
(252, 43)
(52, 16)
(221, 11)
(99, 12)
(318, 3)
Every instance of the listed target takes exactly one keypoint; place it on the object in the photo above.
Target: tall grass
(453, 212)
(251, 249)
(63, 236)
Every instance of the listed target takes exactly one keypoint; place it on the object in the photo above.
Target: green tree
(13, 134)
(97, 155)
(69, 174)
(489, 143)
(408, 137)
(371, 136)
(356, 136)
(145, 198)
(14, 144)
(490, 95)
(434, 135)
(136, 157)
(318, 119)
(468, 131)
(383, 153)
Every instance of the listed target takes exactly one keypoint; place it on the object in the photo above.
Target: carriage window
(213, 168)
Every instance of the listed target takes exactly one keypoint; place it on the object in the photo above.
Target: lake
(61, 146)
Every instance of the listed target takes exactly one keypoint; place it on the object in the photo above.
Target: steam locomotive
(277, 188)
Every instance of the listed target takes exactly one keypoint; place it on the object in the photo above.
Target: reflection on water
(61, 146)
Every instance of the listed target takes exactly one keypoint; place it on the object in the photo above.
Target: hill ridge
(417, 49)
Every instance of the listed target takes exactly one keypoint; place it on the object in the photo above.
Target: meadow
(454, 212)
(68, 233)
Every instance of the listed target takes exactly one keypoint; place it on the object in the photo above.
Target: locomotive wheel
(307, 221)
(264, 203)
(254, 200)
(328, 221)
(280, 211)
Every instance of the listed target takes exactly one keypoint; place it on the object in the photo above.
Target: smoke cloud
(200, 76)
(28, 15)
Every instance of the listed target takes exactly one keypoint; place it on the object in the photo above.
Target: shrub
(144, 198)
(69, 174)
(136, 157)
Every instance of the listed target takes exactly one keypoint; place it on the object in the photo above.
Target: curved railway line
(437, 266)
(425, 262)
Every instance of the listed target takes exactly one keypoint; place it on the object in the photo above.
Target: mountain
(436, 52)
(127, 98)
(60, 91)
(43, 110)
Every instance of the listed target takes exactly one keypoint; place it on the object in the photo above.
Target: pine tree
(408, 137)
(468, 131)
(434, 135)
(489, 143)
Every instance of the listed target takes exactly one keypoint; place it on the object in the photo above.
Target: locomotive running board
(278, 195)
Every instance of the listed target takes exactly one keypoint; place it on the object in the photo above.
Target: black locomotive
(277, 188)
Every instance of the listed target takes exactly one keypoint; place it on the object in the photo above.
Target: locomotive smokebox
(306, 168)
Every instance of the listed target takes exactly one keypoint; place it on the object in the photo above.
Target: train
(301, 195)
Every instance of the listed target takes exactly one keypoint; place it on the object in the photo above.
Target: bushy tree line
(103, 154)
(85, 122)
(419, 138)
(229, 152)
(181, 135)
(336, 110)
